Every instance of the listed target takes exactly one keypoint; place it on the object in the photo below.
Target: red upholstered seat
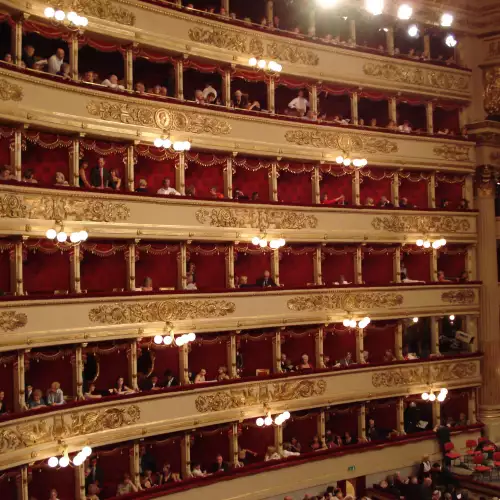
(449, 447)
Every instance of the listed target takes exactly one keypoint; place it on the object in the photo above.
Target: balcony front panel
(122, 216)
(49, 103)
(67, 320)
(140, 416)
(160, 27)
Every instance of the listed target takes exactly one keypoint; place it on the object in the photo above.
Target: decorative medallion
(466, 296)
(256, 218)
(52, 429)
(421, 224)
(12, 207)
(10, 91)
(453, 152)
(104, 9)
(161, 310)
(162, 118)
(355, 143)
(346, 301)
(259, 394)
(10, 321)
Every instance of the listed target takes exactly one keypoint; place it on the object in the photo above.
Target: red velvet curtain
(207, 443)
(7, 379)
(335, 183)
(384, 413)
(114, 155)
(5, 138)
(162, 269)
(252, 180)
(153, 166)
(334, 105)
(338, 341)
(113, 364)
(44, 478)
(209, 351)
(303, 426)
(166, 358)
(449, 188)
(295, 188)
(256, 438)
(210, 261)
(151, 72)
(45, 273)
(257, 352)
(166, 451)
(446, 118)
(379, 337)
(375, 184)
(378, 109)
(103, 273)
(377, 266)
(8, 484)
(252, 264)
(101, 62)
(113, 463)
(456, 402)
(5, 270)
(333, 264)
(295, 343)
(452, 260)
(414, 187)
(342, 419)
(417, 261)
(204, 178)
(296, 269)
(416, 115)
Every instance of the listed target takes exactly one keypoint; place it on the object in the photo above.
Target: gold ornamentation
(492, 90)
(10, 321)
(259, 394)
(421, 224)
(104, 9)
(162, 118)
(466, 296)
(452, 152)
(19, 436)
(161, 310)
(447, 81)
(256, 218)
(346, 301)
(424, 374)
(346, 142)
(61, 208)
(10, 91)
(279, 51)
(485, 181)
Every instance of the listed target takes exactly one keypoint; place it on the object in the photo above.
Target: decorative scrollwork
(492, 90)
(104, 9)
(12, 207)
(222, 39)
(453, 152)
(10, 321)
(421, 224)
(259, 394)
(256, 218)
(345, 301)
(467, 296)
(10, 91)
(162, 310)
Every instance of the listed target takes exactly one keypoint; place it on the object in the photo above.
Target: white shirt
(404, 128)
(107, 83)
(197, 473)
(167, 191)
(287, 453)
(299, 103)
(209, 90)
(54, 64)
(191, 286)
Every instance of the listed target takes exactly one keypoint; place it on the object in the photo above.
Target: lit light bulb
(179, 341)
(352, 323)
(346, 322)
(252, 61)
(84, 235)
(427, 244)
(158, 142)
(446, 20)
(274, 244)
(444, 390)
(279, 67)
(278, 420)
(61, 237)
(64, 461)
(74, 237)
(177, 146)
(166, 143)
(450, 41)
(432, 397)
(78, 460)
(72, 16)
(263, 243)
(51, 234)
(268, 421)
(441, 397)
(261, 64)
(347, 162)
(443, 242)
(415, 320)
(187, 145)
(405, 12)
(413, 31)
(167, 340)
(59, 16)
(452, 317)
(425, 396)
(436, 244)
(271, 65)
(84, 21)
(49, 12)
(282, 242)
(260, 421)
(419, 243)
(375, 7)
(356, 162)
(286, 415)
(191, 337)
(362, 324)
(339, 160)
(367, 319)
(158, 339)
(53, 461)
(255, 240)
(364, 162)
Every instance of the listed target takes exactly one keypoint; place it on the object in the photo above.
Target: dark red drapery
(256, 438)
(251, 180)
(166, 451)
(7, 379)
(203, 178)
(377, 265)
(416, 115)
(208, 352)
(338, 341)
(153, 165)
(446, 119)
(104, 272)
(371, 108)
(210, 261)
(159, 261)
(452, 260)
(337, 261)
(414, 187)
(113, 363)
(375, 184)
(377, 339)
(417, 261)
(295, 187)
(5, 270)
(384, 414)
(302, 426)
(335, 105)
(456, 402)
(8, 484)
(251, 264)
(44, 478)
(295, 343)
(165, 358)
(449, 188)
(342, 419)
(335, 182)
(257, 352)
(296, 267)
(207, 444)
(45, 273)
(113, 463)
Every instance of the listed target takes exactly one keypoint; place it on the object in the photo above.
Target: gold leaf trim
(345, 142)
(346, 301)
(104, 9)
(453, 152)
(10, 91)
(162, 310)
(259, 394)
(420, 224)
(256, 218)
(467, 296)
(10, 321)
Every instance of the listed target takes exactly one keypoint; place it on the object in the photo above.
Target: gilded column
(19, 382)
(389, 40)
(226, 87)
(180, 173)
(179, 79)
(398, 341)
(182, 267)
(431, 191)
(75, 260)
(472, 407)
(130, 167)
(184, 364)
(318, 278)
(231, 356)
(74, 163)
(18, 267)
(278, 438)
(436, 412)
(435, 336)
(352, 31)
(321, 426)
(471, 262)
(186, 455)
(135, 464)
(430, 117)
(400, 419)
(275, 266)
(316, 178)
(80, 482)
(434, 264)
(73, 56)
(270, 12)
(132, 367)
(358, 266)
(277, 352)
(427, 46)
(130, 256)
(356, 188)
(16, 45)
(489, 340)
(273, 182)
(395, 189)
(128, 60)
(396, 265)
(362, 421)
(393, 109)
(468, 190)
(78, 373)
(360, 345)
(271, 89)
(354, 108)
(228, 178)
(313, 98)
(230, 266)
(23, 493)
(233, 444)
(16, 148)
(471, 329)
(318, 347)
(225, 5)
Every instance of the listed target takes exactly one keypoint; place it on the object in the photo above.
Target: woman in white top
(271, 454)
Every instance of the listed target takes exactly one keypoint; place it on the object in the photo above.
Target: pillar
(12, 270)
(132, 365)
(128, 60)
(489, 340)
(468, 190)
(316, 188)
(362, 421)
(18, 267)
(395, 189)
(79, 472)
(313, 98)
(226, 87)
(398, 341)
(430, 117)
(271, 86)
(230, 266)
(462, 117)
(182, 267)
(74, 163)
(16, 147)
(389, 41)
(352, 31)
(231, 356)
(311, 29)
(186, 455)
(180, 173)
(471, 262)
(270, 12)
(19, 382)
(400, 416)
(73, 56)
(436, 412)
(427, 46)
(431, 191)
(278, 438)
(318, 347)
(273, 182)
(75, 260)
(277, 352)
(360, 345)
(318, 278)
(16, 44)
(129, 173)
(354, 108)
(435, 336)
(434, 264)
(179, 79)
(393, 109)
(356, 188)
(228, 178)
(471, 328)
(183, 365)
(224, 4)
(23, 493)
(472, 407)
(321, 426)
(130, 256)
(78, 373)
(233, 444)
(397, 265)
(358, 266)
(275, 266)
(135, 464)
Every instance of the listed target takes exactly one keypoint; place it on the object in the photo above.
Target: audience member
(200, 376)
(83, 173)
(304, 363)
(121, 388)
(3, 406)
(190, 284)
(271, 454)
(55, 395)
(405, 127)
(126, 486)
(92, 393)
(95, 474)
(115, 181)
(99, 175)
(166, 189)
(146, 460)
(220, 465)
(214, 193)
(143, 186)
(288, 452)
(170, 380)
(29, 176)
(112, 83)
(385, 203)
(53, 494)
(60, 180)
(209, 90)
(196, 470)
(389, 356)
(55, 62)
(266, 281)
(317, 444)
(28, 56)
(222, 374)
(65, 71)
(36, 400)
(92, 492)
(241, 101)
(6, 173)
(299, 104)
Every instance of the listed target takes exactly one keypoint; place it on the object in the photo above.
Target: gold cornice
(464, 296)
(11, 321)
(421, 224)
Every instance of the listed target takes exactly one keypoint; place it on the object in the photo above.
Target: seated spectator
(463, 205)
(152, 383)
(7, 58)
(445, 204)
(53, 494)
(190, 284)
(241, 101)
(288, 452)
(6, 173)
(148, 480)
(325, 200)
(156, 90)
(147, 285)
(369, 202)
(348, 439)
(405, 127)
(140, 88)
(121, 388)
(304, 363)
(271, 454)
(243, 456)
(55, 395)
(36, 400)
(115, 180)
(196, 470)
(462, 420)
(389, 356)
(166, 189)
(441, 277)
(361, 122)
(112, 83)
(316, 444)
(464, 133)
(215, 194)
(239, 195)
(65, 71)
(92, 492)
(191, 191)
(347, 361)
(443, 131)
(222, 374)
(295, 445)
(255, 196)
(83, 173)
(28, 56)
(243, 282)
(60, 180)
(403, 203)
(3, 407)
(55, 62)
(384, 203)
(220, 465)
(299, 104)
(88, 77)
(163, 91)
(198, 97)
(326, 361)
(336, 442)
(365, 357)
(126, 486)
(29, 176)
(91, 393)
(166, 475)
(266, 281)
(209, 90)
(392, 125)
(341, 201)
(170, 380)
(340, 120)
(99, 175)
(464, 277)
(311, 116)
(373, 122)
(200, 376)
(143, 186)
(212, 99)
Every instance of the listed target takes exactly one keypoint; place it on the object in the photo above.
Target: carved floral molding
(10, 91)
(346, 301)
(256, 218)
(161, 310)
(104, 9)
(465, 297)
(55, 428)
(259, 394)
(420, 224)
(453, 152)
(11, 321)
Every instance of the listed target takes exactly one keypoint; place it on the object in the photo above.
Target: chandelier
(58, 233)
(355, 162)
(271, 66)
(352, 323)
(60, 15)
(268, 420)
(428, 243)
(431, 395)
(169, 338)
(178, 146)
(63, 461)
(263, 242)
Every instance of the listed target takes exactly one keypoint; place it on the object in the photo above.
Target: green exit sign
(351, 468)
